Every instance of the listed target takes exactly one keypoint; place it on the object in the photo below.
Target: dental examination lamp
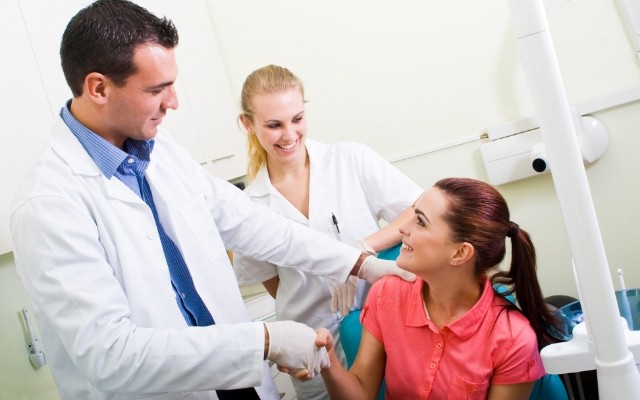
(607, 346)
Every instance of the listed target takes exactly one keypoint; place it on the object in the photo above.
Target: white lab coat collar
(261, 185)
(69, 148)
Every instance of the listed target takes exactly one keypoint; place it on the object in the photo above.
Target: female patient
(449, 334)
(342, 189)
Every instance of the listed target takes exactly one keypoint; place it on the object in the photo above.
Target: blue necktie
(193, 308)
(189, 301)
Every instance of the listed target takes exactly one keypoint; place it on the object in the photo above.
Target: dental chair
(549, 387)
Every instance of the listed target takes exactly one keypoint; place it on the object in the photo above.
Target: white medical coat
(88, 253)
(352, 182)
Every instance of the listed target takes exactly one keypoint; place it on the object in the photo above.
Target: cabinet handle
(223, 158)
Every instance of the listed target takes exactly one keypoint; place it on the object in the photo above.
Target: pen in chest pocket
(335, 222)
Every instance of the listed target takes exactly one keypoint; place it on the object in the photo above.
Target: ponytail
(523, 280)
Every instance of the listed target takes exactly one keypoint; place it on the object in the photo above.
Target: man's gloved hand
(292, 345)
(374, 268)
(343, 294)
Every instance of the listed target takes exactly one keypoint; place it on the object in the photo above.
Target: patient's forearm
(342, 384)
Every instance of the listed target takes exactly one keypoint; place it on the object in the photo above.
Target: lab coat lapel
(262, 187)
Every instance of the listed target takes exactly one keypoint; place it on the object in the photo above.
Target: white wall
(412, 75)
(18, 379)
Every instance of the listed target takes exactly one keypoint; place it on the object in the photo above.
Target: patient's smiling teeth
(406, 247)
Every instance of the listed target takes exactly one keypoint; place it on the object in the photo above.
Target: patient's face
(426, 244)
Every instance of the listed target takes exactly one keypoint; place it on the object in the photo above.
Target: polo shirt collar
(470, 322)
(415, 315)
(465, 326)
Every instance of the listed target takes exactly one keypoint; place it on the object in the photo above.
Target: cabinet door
(24, 111)
(204, 89)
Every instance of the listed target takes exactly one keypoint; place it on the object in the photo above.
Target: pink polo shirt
(490, 344)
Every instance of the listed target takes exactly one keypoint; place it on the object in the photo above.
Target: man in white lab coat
(120, 237)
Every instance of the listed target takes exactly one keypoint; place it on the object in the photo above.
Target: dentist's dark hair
(103, 36)
(478, 214)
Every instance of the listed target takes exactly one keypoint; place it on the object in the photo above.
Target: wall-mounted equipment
(36, 355)
(523, 155)
(515, 150)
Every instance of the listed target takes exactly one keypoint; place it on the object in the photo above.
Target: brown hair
(102, 37)
(268, 79)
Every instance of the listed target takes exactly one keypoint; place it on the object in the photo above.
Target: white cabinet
(207, 105)
(34, 90)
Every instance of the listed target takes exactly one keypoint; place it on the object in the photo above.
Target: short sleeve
(369, 315)
(519, 361)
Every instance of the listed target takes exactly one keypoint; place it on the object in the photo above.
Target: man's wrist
(356, 268)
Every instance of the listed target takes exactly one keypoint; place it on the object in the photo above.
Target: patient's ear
(463, 253)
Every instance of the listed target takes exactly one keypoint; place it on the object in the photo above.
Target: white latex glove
(374, 268)
(343, 295)
(292, 345)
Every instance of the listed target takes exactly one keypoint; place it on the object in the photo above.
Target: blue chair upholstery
(549, 387)
(350, 333)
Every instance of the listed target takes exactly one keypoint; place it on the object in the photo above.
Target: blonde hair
(268, 79)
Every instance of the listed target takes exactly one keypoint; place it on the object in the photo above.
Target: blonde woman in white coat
(342, 190)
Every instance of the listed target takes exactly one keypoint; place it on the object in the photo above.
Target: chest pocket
(461, 389)
(352, 226)
(199, 221)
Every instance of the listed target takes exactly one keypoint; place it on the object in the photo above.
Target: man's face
(136, 109)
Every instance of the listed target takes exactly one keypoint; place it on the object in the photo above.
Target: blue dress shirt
(129, 166)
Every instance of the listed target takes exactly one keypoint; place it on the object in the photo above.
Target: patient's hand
(323, 339)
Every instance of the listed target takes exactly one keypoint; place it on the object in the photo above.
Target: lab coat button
(151, 235)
